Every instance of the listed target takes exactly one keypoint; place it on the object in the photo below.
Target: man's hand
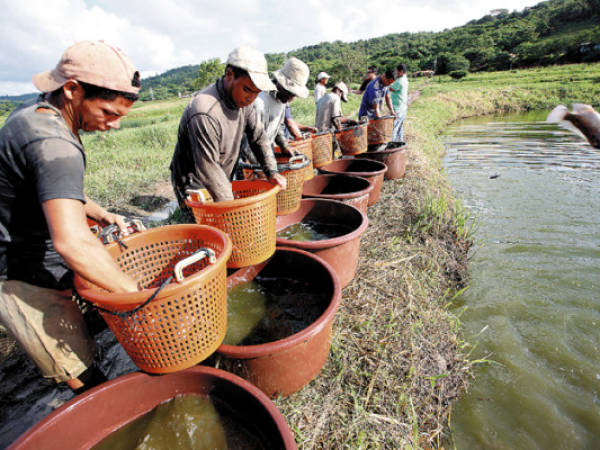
(110, 218)
(288, 151)
(279, 179)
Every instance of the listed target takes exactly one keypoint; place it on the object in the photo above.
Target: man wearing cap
(44, 235)
(212, 126)
(329, 109)
(375, 94)
(290, 82)
(320, 90)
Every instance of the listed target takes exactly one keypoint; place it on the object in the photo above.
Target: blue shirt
(287, 115)
(374, 95)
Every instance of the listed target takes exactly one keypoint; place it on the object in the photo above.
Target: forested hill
(552, 32)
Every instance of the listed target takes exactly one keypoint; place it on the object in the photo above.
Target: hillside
(551, 32)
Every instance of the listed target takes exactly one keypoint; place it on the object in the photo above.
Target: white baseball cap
(322, 75)
(253, 62)
(343, 88)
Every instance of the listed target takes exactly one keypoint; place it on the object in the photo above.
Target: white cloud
(160, 34)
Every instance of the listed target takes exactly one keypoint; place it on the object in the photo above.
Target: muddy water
(184, 422)
(313, 231)
(533, 305)
(269, 309)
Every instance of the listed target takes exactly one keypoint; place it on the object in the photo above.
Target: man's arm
(388, 102)
(376, 112)
(261, 147)
(99, 214)
(81, 250)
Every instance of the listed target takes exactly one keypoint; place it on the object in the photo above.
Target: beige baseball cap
(93, 62)
(343, 88)
(253, 62)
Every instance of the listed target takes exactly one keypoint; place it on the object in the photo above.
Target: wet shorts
(48, 326)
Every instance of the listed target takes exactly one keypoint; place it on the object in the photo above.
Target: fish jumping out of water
(583, 117)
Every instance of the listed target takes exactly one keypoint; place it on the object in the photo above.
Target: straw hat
(253, 62)
(293, 77)
(343, 88)
(93, 62)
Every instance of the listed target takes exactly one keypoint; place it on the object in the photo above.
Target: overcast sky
(160, 34)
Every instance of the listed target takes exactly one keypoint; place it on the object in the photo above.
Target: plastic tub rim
(268, 348)
(122, 300)
(360, 193)
(317, 245)
(358, 174)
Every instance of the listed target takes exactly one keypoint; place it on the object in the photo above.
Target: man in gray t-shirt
(329, 109)
(44, 234)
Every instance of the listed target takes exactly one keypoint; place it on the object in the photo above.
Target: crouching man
(44, 235)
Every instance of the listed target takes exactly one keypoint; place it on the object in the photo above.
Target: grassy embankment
(397, 359)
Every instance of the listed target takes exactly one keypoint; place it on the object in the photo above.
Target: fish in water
(583, 117)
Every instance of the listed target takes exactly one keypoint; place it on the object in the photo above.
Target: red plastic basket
(249, 220)
(187, 319)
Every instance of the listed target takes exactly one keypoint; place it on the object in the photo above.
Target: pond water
(533, 304)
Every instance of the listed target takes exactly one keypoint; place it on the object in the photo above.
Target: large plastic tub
(394, 157)
(284, 366)
(358, 167)
(340, 252)
(344, 188)
(88, 418)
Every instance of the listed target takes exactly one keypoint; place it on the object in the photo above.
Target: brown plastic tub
(393, 157)
(284, 366)
(358, 167)
(340, 252)
(344, 188)
(88, 418)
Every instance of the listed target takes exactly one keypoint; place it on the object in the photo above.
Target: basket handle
(199, 254)
(111, 233)
(203, 196)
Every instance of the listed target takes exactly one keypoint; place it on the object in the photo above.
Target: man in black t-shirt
(44, 235)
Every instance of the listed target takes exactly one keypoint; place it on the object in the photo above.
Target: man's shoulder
(26, 126)
(204, 101)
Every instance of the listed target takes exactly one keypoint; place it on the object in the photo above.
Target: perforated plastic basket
(380, 131)
(288, 199)
(353, 140)
(187, 320)
(249, 220)
(304, 146)
(322, 149)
